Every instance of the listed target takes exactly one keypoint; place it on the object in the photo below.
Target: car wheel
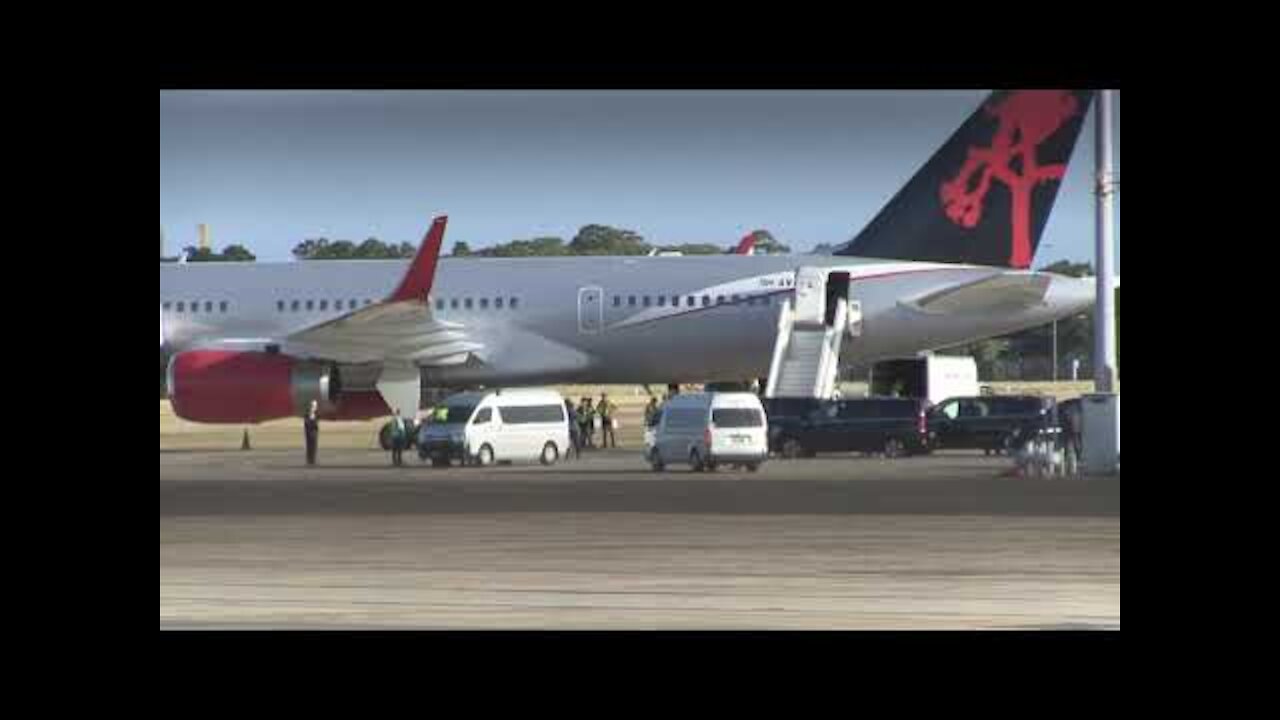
(893, 449)
(550, 454)
(485, 458)
(441, 463)
(753, 468)
(384, 438)
(792, 449)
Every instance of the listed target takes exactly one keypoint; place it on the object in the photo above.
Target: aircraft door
(590, 310)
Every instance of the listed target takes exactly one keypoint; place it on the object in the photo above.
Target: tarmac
(255, 540)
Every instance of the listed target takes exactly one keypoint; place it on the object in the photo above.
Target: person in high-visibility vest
(399, 439)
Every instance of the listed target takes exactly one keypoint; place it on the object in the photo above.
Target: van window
(533, 415)
(484, 417)
(1016, 406)
(974, 409)
(737, 418)
(685, 418)
(950, 410)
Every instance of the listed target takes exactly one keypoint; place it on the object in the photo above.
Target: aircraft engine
(230, 387)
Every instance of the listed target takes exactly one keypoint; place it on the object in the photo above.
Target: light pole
(1105, 337)
(1055, 351)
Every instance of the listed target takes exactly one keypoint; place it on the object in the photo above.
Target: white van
(501, 426)
(707, 430)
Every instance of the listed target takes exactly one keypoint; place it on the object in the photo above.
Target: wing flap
(1006, 291)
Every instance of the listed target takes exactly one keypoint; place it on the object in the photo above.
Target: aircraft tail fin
(986, 196)
(747, 246)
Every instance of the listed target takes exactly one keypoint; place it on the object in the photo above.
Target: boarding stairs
(812, 328)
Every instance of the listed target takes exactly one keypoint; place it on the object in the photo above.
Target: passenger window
(195, 308)
(208, 307)
(693, 301)
(439, 306)
(706, 301)
(484, 417)
(324, 305)
(296, 306)
(280, 306)
(167, 306)
(951, 410)
(675, 301)
(367, 303)
(484, 303)
(469, 304)
(454, 304)
(648, 301)
(311, 305)
(631, 301)
(515, 303)
(223, 307)
(662, 301)
(617, 301)
(182, 307)
(720, 300)
(497, 304)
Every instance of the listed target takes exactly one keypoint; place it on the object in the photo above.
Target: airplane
(945, 263)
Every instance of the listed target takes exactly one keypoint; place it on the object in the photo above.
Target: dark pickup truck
(994, 424)
(893, 427)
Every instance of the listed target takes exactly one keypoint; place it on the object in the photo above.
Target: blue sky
(270, 169)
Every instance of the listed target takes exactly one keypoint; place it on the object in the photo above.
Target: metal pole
(1055, 351)
(1105, 336)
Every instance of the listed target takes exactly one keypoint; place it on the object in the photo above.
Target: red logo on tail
(1027, 118)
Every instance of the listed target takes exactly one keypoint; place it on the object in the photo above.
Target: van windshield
(459, 414)
(737, 418)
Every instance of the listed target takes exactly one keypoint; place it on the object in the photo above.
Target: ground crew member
(399, 437)
(311, 430)
(651, 412)
(607, 412)
(587, 416)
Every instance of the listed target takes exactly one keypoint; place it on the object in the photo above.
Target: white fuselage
(597, 320)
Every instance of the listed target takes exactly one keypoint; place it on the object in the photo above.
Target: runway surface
(255, 540)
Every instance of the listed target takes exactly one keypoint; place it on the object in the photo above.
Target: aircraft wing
(402, 329)
(1003, 292)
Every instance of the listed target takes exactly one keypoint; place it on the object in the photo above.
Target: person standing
(607, 411)
(586, 420)
(311, 431)
(399, 437)
(575, 431)
(651, 412)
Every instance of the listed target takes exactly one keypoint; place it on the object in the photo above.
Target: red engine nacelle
(227, 387)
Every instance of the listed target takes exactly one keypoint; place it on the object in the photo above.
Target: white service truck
(931, 377)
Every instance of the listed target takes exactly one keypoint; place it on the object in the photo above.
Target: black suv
(991, 423)
(891, 426)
